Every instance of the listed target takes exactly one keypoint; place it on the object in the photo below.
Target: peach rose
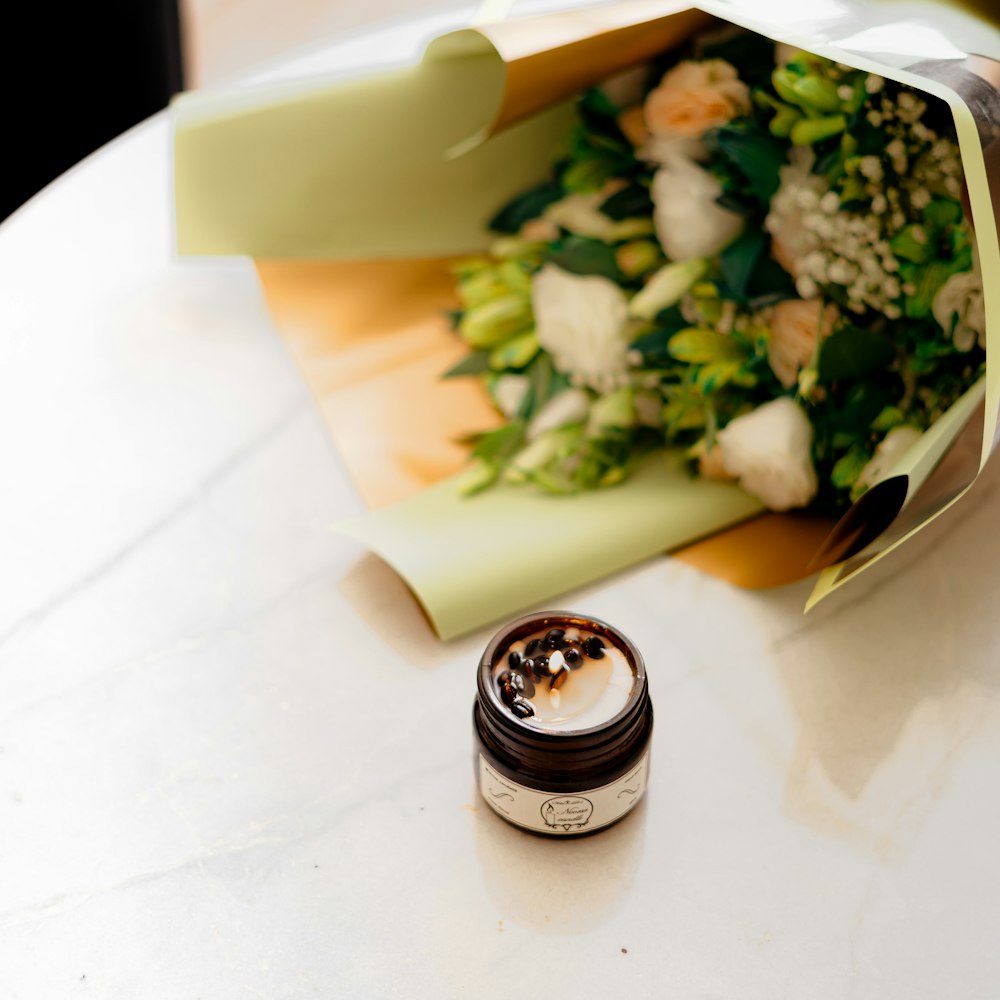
(694, 97)
(796, 328)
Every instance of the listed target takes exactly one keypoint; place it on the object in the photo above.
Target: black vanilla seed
(573, 656)
(594, 648)
(514, 659)
(533, 647)
(554, 638)
(522, 708)
(541, 666)
(517, 682)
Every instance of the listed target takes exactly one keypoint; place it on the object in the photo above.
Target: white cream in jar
(564, 679)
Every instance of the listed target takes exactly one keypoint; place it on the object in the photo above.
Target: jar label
(556, 812)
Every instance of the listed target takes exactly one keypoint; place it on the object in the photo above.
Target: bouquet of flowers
(737, 264)
(748, 252)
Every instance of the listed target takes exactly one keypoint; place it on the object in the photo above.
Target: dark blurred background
(73, 76)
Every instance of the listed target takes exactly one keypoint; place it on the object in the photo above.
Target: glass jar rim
(537, 621)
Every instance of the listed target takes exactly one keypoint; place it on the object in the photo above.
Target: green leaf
(928, 280)
(848, 467)
(599, 114)
(942, 212)
(525, 207)
(712, 377)
(751, 52)
(890, 417)
(476, 478)
(667, 287)
(853, 418)
(579, 255)
(631, 201)
(702, 346)
(616, 409)
(685, 411)
(475, 363)
(912, 244)
(653, 345)
(769, 283)
(784, 121)
(818, 93)
(515, 353)
(851, 352)
(589, 174)
(809, 131)
(493, 322)
(757, 154)
(541, 389)
(496, 446)
(783, 79)
(739, 261)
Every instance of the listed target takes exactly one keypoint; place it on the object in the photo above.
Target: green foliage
(849, 466)
(739, 261)
(701, 328)
(476, 363)
(630, 202)
(751, 53)
(757, 155)
(703, 346)
(525, 207)
(579, 255)
(853, 352)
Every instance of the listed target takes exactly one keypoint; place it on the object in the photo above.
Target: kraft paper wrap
(316, 170)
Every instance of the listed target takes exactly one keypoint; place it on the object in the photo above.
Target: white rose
(960, 309)
(769, 451)
(582, 321)
(889, 451)
(688, 221)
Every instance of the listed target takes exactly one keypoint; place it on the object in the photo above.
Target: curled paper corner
(864, 521)
(548, 59)
(473, 43)
(475, 560)
(933, 475)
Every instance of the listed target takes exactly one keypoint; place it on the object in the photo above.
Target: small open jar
(562, 720)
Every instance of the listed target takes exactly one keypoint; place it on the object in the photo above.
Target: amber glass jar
(546, 775)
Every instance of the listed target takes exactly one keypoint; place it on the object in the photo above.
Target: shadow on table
(887, 679)
(385, 603)
(559, 891)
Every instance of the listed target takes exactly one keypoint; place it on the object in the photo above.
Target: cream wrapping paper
(324, 170)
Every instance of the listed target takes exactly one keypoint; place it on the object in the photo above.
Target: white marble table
(234, 762)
